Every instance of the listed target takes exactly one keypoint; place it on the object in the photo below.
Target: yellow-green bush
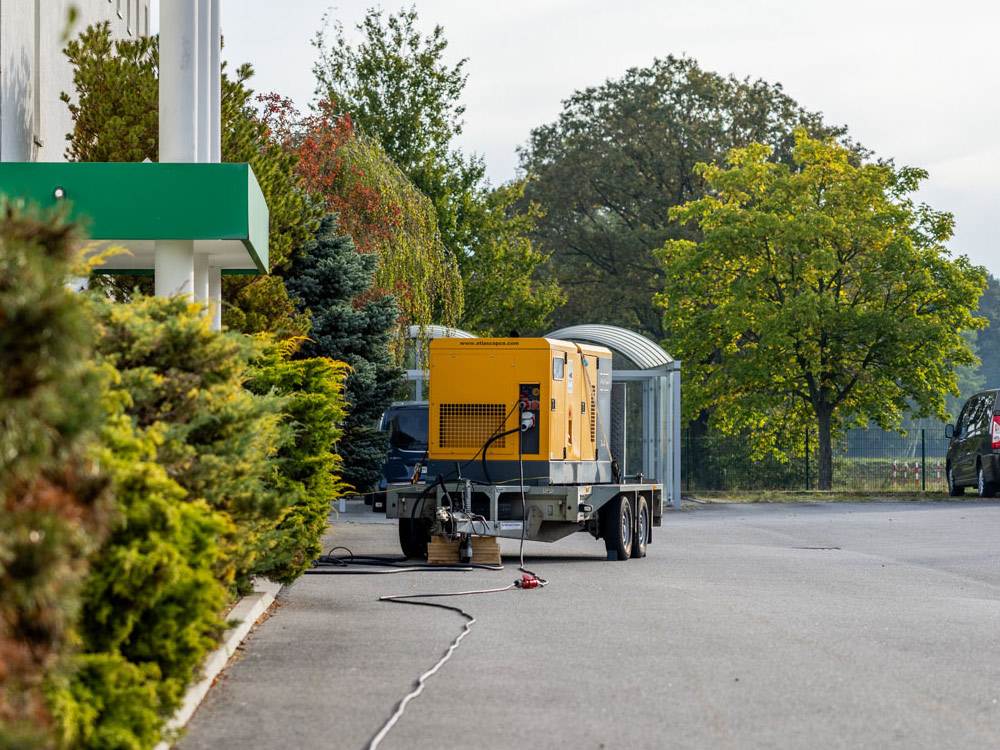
(215, 438)
(216, 465)
(309, 470)
(152, 604)
(53, 498)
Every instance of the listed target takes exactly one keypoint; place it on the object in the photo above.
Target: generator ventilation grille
(471, 425)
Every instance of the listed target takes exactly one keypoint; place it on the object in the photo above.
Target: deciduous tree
(606, 173)
(376, 204)
(988, 340)
(398, 89)
(819, 294)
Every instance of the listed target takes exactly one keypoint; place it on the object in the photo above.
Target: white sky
(914, 80)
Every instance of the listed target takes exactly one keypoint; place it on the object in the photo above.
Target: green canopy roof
(218, 206)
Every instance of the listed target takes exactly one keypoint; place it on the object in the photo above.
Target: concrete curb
(247, 610)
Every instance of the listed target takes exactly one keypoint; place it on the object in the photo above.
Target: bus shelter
(657, 376)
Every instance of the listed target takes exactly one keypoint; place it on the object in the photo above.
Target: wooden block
(441, 551)
(485, 550)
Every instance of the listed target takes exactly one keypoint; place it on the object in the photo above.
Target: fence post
(923, 462)
(807, 460)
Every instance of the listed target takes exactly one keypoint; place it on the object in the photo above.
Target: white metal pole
(174, 263)
(202, 96)
(215, 296)
(213, 117)
(215, 84)
(173, 267)
(201, 284)
(675, 426)
(648, 415)
(178, 81)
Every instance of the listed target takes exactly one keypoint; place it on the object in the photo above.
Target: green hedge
(53, 498)
(216, 466)
(309, 470)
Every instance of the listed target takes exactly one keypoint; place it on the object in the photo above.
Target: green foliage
(988, 339)
(213, 484)
(113, 582)
(116, 119)
(397, 89)
(110, 704)
(308, 469)
(819, 294)
(606, 173)
(261, 304)
(334, 281)
(192, 513)
(415, 267)
(500, 292)
(219, 441)
(151, 606)
(153, 595)
(53, 496)
(377, 205)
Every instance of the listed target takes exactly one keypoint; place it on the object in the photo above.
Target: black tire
(984, 488)
(413, 537)
(953, 489)
(618, 525)
(641, 528)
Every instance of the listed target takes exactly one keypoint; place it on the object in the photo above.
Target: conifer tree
(352, 324)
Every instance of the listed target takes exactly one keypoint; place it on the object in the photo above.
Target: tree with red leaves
(377, 205)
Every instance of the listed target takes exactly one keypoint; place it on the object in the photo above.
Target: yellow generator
(518, 447)
(502, 406)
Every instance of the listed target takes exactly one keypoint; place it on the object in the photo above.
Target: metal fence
(865, 461)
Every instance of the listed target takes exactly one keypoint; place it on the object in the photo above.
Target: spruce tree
(353, 324)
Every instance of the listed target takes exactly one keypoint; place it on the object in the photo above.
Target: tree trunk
(824, 454)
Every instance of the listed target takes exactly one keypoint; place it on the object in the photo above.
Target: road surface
(747, 626)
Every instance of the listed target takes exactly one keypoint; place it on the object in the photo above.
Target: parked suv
(974, 451)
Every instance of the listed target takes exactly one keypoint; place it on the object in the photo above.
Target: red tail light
(995, 432)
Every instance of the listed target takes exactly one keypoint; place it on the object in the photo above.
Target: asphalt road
(747, 626)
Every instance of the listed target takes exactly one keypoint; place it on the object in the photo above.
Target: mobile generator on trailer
(518, 448)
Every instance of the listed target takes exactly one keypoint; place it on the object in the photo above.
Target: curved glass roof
(439, 332)
(642, 351)
(645, 353)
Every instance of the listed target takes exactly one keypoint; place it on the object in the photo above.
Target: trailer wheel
(618, 527)
(413, 537)
(641, 528)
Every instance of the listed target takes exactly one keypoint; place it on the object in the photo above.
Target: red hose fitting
(527, 582)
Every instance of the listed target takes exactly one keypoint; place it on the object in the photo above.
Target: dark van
(974, 450)
(406, 423)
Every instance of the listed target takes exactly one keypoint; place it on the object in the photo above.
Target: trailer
(518, 448)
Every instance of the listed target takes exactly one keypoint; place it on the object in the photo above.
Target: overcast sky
(914, 80)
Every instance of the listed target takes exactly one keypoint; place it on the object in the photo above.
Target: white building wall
(34, 71)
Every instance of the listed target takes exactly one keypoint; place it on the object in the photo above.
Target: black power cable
(486, 447)
(330, 564)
